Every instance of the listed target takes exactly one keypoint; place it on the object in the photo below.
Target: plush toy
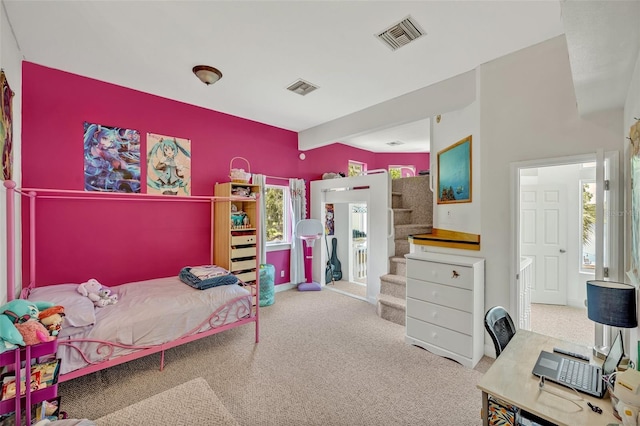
(97, 293)
(17, 311)
(33, 332)
(106, 298)
(52, 319)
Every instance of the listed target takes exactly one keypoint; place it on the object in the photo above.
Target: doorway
(557, 237)
(353, 258)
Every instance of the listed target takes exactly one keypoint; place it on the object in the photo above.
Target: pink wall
(145, 240)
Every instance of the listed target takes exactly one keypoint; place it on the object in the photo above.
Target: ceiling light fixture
(208, 75)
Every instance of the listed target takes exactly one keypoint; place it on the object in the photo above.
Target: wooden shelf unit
(235, 246)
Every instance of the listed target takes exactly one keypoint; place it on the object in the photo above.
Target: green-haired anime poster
(111, 159)
(168, 165)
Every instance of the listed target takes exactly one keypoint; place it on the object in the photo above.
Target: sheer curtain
(298, 212)
(262, 225)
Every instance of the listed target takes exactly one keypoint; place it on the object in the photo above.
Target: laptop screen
(615, 355)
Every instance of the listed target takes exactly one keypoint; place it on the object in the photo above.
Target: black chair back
(500, 327)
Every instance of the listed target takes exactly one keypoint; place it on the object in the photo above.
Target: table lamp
(612, 304)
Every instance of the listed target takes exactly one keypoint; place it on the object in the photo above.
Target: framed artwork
(634, 136)
(6, 128)
(168, 165)
(454, 173)
(111, 159)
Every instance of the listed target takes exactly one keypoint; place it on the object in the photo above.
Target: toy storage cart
(21, 358)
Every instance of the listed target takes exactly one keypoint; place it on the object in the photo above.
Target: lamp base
(601, 352)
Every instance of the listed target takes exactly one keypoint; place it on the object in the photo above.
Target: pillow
(79, 310)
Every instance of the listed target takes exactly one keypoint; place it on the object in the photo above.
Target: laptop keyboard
(578, 375)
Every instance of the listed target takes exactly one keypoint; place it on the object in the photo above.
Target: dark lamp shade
(612, 303)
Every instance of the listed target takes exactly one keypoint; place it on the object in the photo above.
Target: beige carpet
(191, 403)
(323, 359)
(564, 322)
(349, 288)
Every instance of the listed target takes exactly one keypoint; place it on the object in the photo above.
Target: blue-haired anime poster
(111, 159)
(168, 165)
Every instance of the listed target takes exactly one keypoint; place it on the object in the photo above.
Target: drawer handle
(454, 274)
(434, 336)
(434, 315)
(435, 294)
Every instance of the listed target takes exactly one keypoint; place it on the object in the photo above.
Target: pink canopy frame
(105, 347)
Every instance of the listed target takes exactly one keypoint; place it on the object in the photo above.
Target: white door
(543, 238)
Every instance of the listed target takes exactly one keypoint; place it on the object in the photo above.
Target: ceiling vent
(395, 143)
(302, 87)
(404, 32)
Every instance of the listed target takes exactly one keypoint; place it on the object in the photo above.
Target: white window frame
(361, 165)
(398, 167)
(286, 212)
(581, 268)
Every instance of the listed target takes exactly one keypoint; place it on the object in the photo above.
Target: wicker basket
(239, 175)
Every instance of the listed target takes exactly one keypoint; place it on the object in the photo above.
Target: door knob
(563, 251)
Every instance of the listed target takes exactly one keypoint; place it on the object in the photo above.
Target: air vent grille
(302, 87)
(402, 33)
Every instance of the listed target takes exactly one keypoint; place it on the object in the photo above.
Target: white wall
(454, 126)
(11, 62)
(527, 111)
(631, 110)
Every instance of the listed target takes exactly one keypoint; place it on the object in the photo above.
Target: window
(401, 171)
(277, 215)
(587, 248)
(356, 168)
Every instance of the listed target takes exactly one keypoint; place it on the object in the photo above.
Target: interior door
(543, 238)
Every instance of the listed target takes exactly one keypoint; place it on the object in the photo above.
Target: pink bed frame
(105, 348)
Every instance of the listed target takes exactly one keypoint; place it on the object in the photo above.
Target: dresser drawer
(240, 240)
(440, 294)
(243, 252)
(438, 336)
(452, 319)
(247, 276)
(239, 265)
(442, 273)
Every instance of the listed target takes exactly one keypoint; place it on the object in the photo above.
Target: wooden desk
(510, 379)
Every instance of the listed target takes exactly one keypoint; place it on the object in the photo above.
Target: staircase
(412, 204)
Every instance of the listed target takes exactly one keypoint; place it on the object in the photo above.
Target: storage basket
(239, 175)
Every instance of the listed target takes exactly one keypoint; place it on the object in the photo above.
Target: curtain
(298, 196)
(262, 225)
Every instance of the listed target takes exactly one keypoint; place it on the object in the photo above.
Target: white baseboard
(284, 287)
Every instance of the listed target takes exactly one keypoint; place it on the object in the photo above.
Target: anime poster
(329, 227)
(168, 165)
(111, 159)
(6, 128)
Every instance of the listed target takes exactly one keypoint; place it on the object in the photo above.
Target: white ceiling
(262, 47)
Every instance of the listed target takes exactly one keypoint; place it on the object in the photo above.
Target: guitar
(337, 266)
(328, 270)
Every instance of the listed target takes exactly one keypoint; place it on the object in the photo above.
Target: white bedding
(150, 313)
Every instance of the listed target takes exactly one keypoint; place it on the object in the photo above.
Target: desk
(510, 379)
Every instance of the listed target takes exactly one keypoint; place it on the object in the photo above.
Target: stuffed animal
(106, 298)
(34, 332)
(52, 319)
(97, 293)
(16, 311)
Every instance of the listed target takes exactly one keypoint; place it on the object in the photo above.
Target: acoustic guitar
(337, 266)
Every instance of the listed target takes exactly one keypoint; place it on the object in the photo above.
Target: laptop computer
(579, 375)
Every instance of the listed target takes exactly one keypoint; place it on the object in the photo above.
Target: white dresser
(445, 305)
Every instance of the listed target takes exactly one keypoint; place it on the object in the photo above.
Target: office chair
(500, 327)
